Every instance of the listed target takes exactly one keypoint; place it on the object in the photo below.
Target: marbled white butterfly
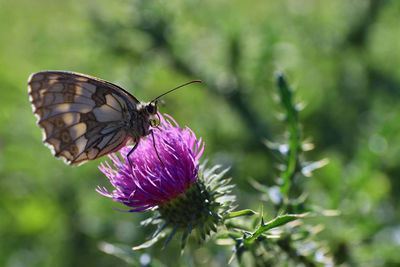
(84, 118)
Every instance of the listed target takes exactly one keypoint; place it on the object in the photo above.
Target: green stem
(286, 97)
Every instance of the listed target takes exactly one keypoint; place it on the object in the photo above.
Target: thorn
(170, 236)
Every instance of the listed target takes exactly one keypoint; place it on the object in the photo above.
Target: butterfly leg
(156, 124)
(130, 152)
(154, 145)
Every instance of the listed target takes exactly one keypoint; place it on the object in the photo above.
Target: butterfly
(84, 118)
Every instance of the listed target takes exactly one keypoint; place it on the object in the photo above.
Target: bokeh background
(342, 57)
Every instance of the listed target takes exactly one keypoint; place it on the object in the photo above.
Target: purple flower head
(148, 183)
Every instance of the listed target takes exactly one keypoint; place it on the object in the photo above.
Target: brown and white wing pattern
(82, 117)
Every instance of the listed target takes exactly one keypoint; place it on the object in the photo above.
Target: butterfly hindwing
(82, 117)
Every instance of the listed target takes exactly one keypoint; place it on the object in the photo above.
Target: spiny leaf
(286, 98)
(171, 234)
(149, 243)
(160, 228)
(278, 221)
(246, 212)
(119, 252)
(309, 167)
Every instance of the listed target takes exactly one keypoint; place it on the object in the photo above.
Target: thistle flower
(181, 193)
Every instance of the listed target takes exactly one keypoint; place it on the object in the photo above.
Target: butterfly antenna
(195, 81)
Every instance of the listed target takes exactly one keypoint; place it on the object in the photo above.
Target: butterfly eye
(151, 109)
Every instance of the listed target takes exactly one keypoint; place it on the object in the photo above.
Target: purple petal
(147, 183)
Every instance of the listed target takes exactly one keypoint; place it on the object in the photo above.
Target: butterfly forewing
(82, 117)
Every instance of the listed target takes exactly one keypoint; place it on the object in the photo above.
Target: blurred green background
(343, 58)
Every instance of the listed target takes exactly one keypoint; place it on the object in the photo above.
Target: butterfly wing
(82, 117)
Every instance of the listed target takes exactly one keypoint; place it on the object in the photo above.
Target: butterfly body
(83, 117)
